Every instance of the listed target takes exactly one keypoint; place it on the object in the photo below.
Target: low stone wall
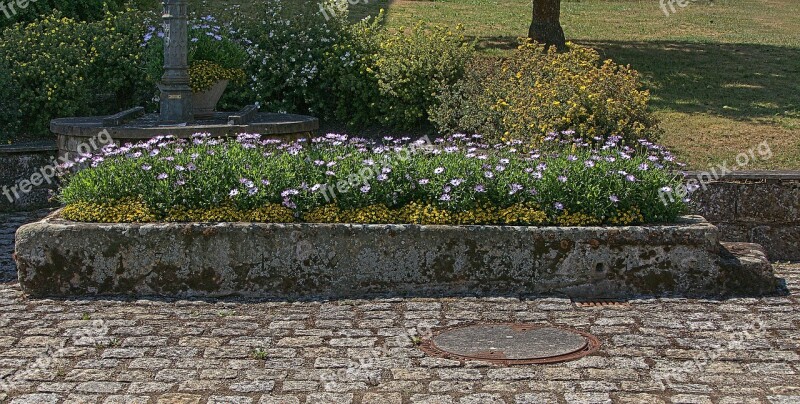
(59, 258)
(19, 163)
(760, 207)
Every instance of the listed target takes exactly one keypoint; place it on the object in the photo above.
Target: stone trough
(56, 257)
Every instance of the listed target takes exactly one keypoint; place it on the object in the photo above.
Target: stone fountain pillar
(176, 95)
(177, 112)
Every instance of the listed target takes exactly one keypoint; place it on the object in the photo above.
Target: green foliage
(214, 54)
(81, 10)
(61, 67)
(410, 66)
(304, 60)
(536, 92)
(332, 177)
(290, 41)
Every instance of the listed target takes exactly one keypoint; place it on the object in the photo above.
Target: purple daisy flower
(613, 198)
(480, 188)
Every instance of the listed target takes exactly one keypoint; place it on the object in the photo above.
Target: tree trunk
(546, 24)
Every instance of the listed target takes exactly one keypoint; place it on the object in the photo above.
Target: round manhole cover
(512, 343)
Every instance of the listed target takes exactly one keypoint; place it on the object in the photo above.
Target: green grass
(724, 75)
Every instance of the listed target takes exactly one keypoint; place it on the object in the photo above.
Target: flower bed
(339, 179)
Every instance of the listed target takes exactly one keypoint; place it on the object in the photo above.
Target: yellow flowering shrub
(536, 92)
(58, 67)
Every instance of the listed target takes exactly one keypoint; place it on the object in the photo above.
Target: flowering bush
(81, 10)
(461, 180)
(214, 54)
(290, 41)
(357, 73)
(536, 92)
(58, 67)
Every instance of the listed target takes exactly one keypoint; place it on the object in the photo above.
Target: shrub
(336, 179)
(411, 66)
(536, 92)
(81, 10)
(357, 73)
(61, 67)
(289, 42)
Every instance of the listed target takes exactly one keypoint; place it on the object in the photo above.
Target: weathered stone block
(768, 203)
(784, 241)
(717, 202)
(58, 257)
(27, 163)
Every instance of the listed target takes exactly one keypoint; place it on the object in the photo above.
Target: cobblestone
(742, 350)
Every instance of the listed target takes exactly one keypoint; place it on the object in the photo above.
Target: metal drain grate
(602, 303)
(511, 343)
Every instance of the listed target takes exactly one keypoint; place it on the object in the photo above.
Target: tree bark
(546, 23)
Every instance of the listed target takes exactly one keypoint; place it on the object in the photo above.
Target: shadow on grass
(736, 81)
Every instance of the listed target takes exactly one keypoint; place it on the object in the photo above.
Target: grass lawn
(724, 75)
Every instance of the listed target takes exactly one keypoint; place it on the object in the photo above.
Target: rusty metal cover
(511, 343)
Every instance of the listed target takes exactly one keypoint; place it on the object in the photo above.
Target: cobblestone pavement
(145, 351)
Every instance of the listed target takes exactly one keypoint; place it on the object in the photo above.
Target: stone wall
(24, 162)
(760, 207)
(61, 258)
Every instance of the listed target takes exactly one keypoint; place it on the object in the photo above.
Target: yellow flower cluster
(204, 74)
(577, 219)
(133, 211)
(126, 211)
(417, 213)
(628, 217)
(272, 213)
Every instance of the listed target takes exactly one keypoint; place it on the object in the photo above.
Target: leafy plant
(537, 92)
(338, 179)
(213, 54)
(80, 10)
(59, 67)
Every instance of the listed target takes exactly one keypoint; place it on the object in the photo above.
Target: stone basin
(56, 257)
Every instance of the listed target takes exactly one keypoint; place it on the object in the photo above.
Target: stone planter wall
(757, 207)
(62, 258)
(26, 162)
